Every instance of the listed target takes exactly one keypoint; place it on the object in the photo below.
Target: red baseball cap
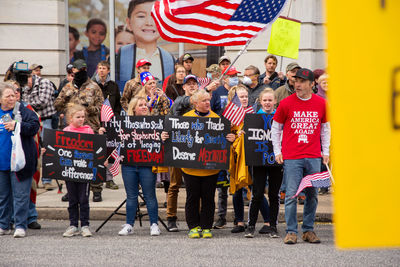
(142, 62)
(232, 71)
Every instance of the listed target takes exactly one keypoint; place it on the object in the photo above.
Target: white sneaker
(85, 231)
(127, 229)
(19, 233)
(71, 231)
(5, 232)
(154, 230)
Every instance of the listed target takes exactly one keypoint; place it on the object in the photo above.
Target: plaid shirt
(40, 97)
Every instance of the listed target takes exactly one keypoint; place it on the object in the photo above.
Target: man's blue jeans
(294, 171)
(133, 176)
(16, 191)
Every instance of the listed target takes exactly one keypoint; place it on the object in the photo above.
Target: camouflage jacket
(89, 96)
(132, 87)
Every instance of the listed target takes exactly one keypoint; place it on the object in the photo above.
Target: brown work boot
(290, 239)
(311, 237)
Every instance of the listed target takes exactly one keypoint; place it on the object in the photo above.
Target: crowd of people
(159, 85)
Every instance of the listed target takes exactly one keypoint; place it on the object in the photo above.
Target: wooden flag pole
(330, 174)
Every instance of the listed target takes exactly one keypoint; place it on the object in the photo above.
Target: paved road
(47, 247)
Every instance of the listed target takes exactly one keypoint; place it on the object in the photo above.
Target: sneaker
(85, 231)
(111, 185)
(290, 239)
(5, 231)
(206, 233)
(195, 232)
(71, 231)
(97, 197)
(301, 200)
(172, 225)
(311, 237)
(65, 198)
(274, 232)
(282, 197)
(48, 187)
(323, 191)
(155, 230)
(250, 231)
(238, 229)
(220, 223)
(34, 225)
(266, 229)
(19, 233)
(127, 229)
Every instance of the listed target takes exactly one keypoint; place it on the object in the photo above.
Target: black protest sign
(257, 140)
(74, 156)
(197, 142)
(140, 138)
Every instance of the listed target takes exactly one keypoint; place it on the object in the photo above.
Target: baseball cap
(142, 62)
(190, 76)
(292, 66)
(213, 68)
(187, 56)
(34, 66)
(232, 71)
(305, 74)
(79, 64)
(145, 77)
(223, 58)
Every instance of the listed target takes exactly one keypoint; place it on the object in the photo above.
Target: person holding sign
(267, 100)
(134, 176)
(302, 122)
(15, 186)
(200, 183)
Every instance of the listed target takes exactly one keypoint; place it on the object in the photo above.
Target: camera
(19, 72)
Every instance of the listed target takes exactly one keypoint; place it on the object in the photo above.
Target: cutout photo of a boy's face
(142, 25)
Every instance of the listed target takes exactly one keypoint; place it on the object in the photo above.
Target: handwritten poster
(198, 143)
(74, 156)
(140, 138)
(285, 38)
(257, 140)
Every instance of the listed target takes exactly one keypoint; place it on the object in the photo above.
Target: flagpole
(330, 173)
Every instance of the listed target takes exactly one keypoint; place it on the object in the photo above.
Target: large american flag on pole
(214, 22)
(234, 112)
(317, 180)
(114, 169)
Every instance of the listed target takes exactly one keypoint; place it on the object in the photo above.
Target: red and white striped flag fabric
(249, 109)
(106, 111)
(203, 82)
(214, 22)
(234, 112)
(114, 169)
(320, 179)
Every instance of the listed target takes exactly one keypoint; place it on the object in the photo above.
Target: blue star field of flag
(261, 11)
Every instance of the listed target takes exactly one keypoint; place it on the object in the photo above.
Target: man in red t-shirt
(301, 122)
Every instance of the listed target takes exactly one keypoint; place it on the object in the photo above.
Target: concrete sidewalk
(50, 206)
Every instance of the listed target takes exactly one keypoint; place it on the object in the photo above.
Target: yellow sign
(285, 38)
(364, 96)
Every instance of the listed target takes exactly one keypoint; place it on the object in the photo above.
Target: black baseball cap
(305, 74)
(79, 64)
(190, 76)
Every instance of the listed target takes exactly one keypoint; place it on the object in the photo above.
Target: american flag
(114, 169)
(320, 179)
(106, 111)
(234, 112)
(203, 82)
(214, 22)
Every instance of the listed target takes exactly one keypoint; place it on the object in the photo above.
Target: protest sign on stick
(198, 143)
(140, 138)
(285, 38)
(74, 156)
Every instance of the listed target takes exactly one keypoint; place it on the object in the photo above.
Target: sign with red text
(197, 142)
(74, 156)
(140, 138)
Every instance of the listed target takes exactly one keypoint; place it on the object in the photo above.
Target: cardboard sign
(285, 38)
(73, 156)
(197, 143)
(257, 140)
(140, 138)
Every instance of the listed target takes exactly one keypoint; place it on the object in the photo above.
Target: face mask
(233, 81)
(80, 77)
(209, 75)
(247, 80)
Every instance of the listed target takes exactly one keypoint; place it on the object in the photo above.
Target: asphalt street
(47, 247)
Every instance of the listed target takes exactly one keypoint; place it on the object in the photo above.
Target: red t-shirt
(301, 126)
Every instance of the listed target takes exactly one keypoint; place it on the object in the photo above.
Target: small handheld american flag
(114, 169)
(106, 111)
(234, 112)
(318, 180)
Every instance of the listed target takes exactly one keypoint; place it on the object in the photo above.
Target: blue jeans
(133, 176)
(294, 171)
(12, 190)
